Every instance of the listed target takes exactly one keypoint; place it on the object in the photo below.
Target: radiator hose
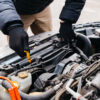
(44, 96)
(84, 44)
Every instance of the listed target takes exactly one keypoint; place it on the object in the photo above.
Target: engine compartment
(58, 71)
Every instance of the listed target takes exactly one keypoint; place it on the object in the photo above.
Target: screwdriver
(28, 56)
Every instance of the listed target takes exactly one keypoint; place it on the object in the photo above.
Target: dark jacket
(72, 10)
(31, 6)
(9, 15)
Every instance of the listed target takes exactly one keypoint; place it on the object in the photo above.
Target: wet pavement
(90, 13)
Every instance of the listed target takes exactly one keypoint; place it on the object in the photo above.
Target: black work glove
(18, 40)
(66, 31)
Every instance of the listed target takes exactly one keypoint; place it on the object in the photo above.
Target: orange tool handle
(17, 93)
(13, 92)
(28, 56)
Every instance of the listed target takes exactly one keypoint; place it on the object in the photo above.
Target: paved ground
(90, 13)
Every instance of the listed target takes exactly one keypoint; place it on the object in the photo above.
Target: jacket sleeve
(8, 14)
(72, 10)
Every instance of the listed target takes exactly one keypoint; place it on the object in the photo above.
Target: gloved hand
(66, 31)
(18, 40)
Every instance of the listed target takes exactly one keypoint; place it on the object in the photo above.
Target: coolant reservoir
(24, 79)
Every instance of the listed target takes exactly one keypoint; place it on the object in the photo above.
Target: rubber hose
(81, 53)
(84, 43)
(44, 96)
(6, 85)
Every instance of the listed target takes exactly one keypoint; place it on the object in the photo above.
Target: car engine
(58, 71)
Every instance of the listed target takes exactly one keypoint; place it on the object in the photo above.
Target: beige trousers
(40, 22)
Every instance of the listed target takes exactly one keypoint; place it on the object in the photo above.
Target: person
(17, 15)
(69, 15)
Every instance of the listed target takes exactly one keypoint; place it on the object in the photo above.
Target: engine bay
(58, 71)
